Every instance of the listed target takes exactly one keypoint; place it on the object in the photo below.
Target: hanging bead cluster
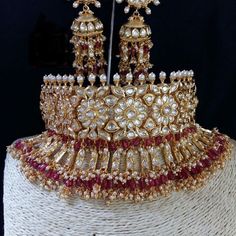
(135, 41)
(88, 40)
(135, 48)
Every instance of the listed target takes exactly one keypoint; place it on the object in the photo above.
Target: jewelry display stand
(211, 210)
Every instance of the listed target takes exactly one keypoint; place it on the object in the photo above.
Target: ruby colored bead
(19, 145)
(131, 184)
(125, 144)
(142, 183)
(29, 149)
(89, 184)
(42, 167)
(212, 154)
(35, 164)
(98, 180)
(112, 147)
(184, 174)
(152, 183)
(64, 139)
(145, 48)
(171, 175)
(69, 183)
(98, 45)
(133, 52)
(84, 47)
(104, 184)
(79, 182)
(221, 149)
(185, 132)
(158, 140)
(163, 179)
(135, 142)
(177, 137)
(196, 170)
(98, 143)
(206, 163)
(109, 183)
(55, 176)
(169, 137)
(51, 133)
(148, 142)
(48, 174)
(95, 69)
(77, 146)
(87, 142)
(157, 182)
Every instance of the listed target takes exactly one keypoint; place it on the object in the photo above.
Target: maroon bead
(112, 146)
(79, 182)
(69, 183)
(142, 184)
(133, 51)
(148, 142)
(157, 182)
(135, 142)
(35, 164)
(64, 139)
(146, 49)
(171, 175)
(212, 154)
(51, 133)
(125, 144)
(29, 149)
(152, 183)
(163, 179)
(77, 146)
(131, 184)
(104, 184)
(55, 176)
(185, 132)
(98, 44)
(177, 137)
(196, 170)
(48, 174)
(158, 140)
(42, 167)
(206, 162)
(98, 180)
(19, 145)
(169, 137)
(184, 174)
(84, 47)
(88, 142)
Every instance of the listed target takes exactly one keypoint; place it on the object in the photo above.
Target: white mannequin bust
(211, 210)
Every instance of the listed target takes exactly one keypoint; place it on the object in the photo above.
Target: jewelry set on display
(133, 139)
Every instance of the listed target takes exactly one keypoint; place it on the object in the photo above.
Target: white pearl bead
(129, 76)
(97, 4)
(116, 77)
(103, 78)
(75, 4)
(156, 2)
(152, 76)
(162, 75)
(148, 11)
(127, 9)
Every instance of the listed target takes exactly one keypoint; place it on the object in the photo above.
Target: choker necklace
(133, 139)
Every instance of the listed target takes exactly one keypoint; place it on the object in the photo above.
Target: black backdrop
(198, 35)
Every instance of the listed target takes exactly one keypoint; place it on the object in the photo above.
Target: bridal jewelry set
(135, 139)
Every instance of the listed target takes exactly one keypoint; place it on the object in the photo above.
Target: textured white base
(31, 211)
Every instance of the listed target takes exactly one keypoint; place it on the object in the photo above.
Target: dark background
(34, 35)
